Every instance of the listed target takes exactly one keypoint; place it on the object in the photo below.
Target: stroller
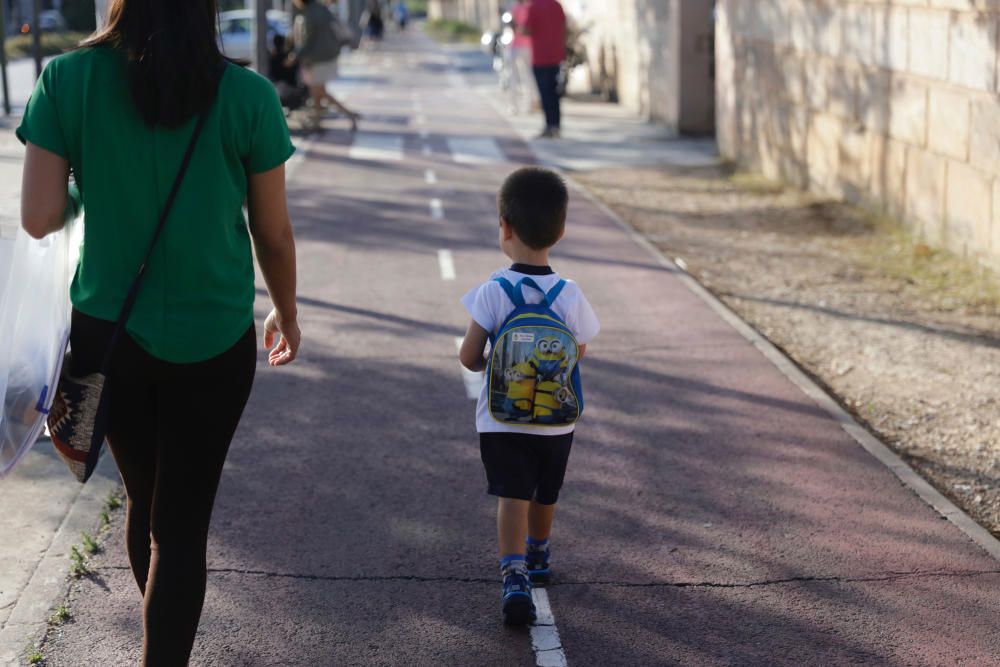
(291, 91)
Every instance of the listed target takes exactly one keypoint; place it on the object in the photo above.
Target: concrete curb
(28, 621)
(907, 475)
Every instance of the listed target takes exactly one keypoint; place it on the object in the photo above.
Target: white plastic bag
(35, 314)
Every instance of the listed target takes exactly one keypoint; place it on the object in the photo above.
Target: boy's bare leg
(512, 525)
(540, 520)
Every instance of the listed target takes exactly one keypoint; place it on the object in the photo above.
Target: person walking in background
(371, 21)
(545, 24)
(318, 41)
(181, 374)
(402, 14)
(521, 86)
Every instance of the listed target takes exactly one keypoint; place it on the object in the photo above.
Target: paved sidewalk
(713, 514)
(42, 508)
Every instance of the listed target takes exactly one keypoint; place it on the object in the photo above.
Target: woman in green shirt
(117, 115)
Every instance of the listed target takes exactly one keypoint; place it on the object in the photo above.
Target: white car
(236, 27)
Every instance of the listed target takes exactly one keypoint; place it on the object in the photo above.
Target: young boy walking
(532, 396)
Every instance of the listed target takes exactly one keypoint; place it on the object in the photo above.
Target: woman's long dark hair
(173, 56)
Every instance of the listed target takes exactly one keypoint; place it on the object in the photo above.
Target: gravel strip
(906, 337)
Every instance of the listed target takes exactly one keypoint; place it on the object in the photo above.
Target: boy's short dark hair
(534, 202)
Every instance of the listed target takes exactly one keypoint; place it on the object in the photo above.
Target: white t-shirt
(489, 306)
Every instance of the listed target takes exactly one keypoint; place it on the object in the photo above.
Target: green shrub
(453, 31)
(53, 43)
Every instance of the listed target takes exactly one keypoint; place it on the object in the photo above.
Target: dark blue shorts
(525, 466)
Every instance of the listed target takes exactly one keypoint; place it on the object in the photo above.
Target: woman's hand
(289, 338)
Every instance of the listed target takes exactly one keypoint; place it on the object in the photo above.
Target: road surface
(713, 514)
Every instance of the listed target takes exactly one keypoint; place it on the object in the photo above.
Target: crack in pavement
(888, 576)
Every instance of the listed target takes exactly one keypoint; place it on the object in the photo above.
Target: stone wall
(438, 10)
(891, 102)
(656, 55)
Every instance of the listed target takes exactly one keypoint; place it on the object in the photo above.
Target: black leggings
(170, 429)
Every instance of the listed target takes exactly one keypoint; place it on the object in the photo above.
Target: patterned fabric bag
(78, 419)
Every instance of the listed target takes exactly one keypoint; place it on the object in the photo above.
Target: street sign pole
(3, 57)
(36, 36)
(261, 54)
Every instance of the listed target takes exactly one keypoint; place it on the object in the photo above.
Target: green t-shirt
(197, 296)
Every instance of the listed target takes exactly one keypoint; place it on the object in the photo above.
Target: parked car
(51, 20)
(236, 28)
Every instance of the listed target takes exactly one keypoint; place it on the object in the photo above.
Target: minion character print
(530, 385)
(519, 402)
(549, 358)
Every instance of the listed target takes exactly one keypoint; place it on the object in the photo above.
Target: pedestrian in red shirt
(545, 23)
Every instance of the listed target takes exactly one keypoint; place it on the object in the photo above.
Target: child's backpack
(533, 372)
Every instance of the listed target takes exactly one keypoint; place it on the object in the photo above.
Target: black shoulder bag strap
(133, 292)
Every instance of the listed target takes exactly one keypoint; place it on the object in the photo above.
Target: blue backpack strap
(555, 292)
(530, 282)
(513, 293)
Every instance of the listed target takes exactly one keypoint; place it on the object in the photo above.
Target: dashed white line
(545, 640)
(430, 176)
(447, 264)
(473, 381)
(475, 150)
(302, 150)
(437, 210)
(377, 147)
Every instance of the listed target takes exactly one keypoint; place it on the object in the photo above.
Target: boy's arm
(583, 351)
(471, 352)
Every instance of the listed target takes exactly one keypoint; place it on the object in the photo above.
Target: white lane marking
(473, 381)
(426, 150)
(475, 150)
(430, 176)
(377, 147)
(302, 150)
(545, 641)
(447, 264)
(437, 209)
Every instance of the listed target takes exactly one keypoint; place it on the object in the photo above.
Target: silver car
(236, 27)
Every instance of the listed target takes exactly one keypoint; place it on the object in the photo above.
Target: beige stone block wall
(896, 100)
